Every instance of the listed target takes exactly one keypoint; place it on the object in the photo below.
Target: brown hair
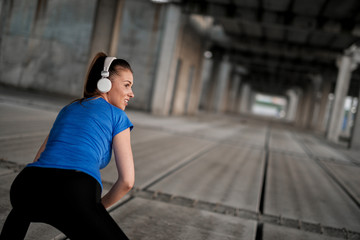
(94, 73)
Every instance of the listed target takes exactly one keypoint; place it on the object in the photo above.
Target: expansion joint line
(186, 161)
(351, 158)
(259, 227)
(327, 171)
(245, 214)
(266, 162)
(160, 177)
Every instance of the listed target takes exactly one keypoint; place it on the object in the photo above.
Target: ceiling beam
(220, 10)
(282, 49)
(330, 29)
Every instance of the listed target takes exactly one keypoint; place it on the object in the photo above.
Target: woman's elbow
(127, 184)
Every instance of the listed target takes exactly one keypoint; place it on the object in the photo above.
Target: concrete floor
(205, 177)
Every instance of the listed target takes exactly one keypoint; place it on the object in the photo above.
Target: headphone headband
(107, 63)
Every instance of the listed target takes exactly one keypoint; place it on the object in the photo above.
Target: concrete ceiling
(281, 41)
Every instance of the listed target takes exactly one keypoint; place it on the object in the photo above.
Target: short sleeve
(121, 121)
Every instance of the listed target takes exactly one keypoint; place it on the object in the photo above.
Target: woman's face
(121, 90)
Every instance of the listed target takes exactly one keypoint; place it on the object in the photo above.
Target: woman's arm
(41, 149)
(125, 167)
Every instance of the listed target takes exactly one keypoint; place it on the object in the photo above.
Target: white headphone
(104, 83)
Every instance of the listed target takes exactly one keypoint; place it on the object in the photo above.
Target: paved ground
(205, 177)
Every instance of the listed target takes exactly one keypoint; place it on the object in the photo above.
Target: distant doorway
(268, 105)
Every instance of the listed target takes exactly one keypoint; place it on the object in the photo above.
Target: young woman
(62, 187)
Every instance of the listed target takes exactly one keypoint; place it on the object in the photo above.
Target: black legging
(68, 200)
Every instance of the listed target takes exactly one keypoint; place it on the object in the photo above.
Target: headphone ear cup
(104, 85)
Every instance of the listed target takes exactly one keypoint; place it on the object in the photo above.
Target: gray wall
(188, 87)
(139, 42)
(44, 44)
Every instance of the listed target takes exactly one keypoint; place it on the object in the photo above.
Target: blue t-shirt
(81, 137)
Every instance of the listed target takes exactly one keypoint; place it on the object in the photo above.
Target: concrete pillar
(342, 86)
(227, 95)
(238, 97)
(182, 89)
(234, 90)
(187, 88)
(292, 105)
(326, 87)
(328, 111)
(355, 135)
(106, 29)
(5, 12)
(299, 109)
(316, 100)
(306, 108)
(212, 85)
(206, 81)
(196, 88)
(166, 67)
(222, 84)
(309, 105)
(245, 98)
(349, 115)
(252, 100)
(316, 110)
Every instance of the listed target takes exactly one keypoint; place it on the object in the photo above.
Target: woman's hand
(125, 167)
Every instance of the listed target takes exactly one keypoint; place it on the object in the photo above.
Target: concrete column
(245, 98)
(326, 87)
(252, 100)
(5, 12)
(107, 24)
(292, 105)
(342, 86)
(309, 105)
(196, 89)
(328, 111)
(212, 85)
(166, 67)
(349, 121)
(299, 109)
(221, 86)
(205, 79)
(355, 135)
(238, 97)
(316, 110)
(182, 89)
(306, 106)
(227, 95)
(116, 28)
(186, 91)
(315, 100)
(233, 96)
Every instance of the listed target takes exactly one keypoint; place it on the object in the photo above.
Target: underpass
(206, 177)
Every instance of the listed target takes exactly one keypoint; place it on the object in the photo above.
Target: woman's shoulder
(87, 102)
(81, 105)
(97, 104)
